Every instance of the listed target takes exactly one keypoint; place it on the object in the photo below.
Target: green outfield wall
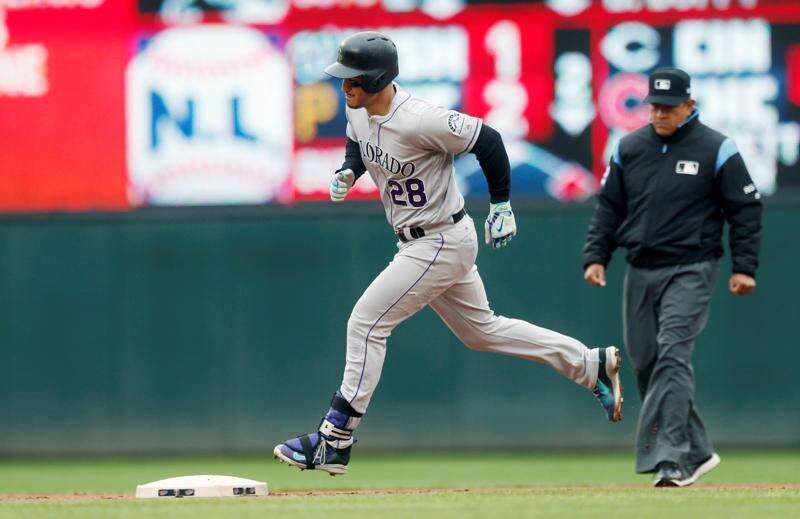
(207, 330)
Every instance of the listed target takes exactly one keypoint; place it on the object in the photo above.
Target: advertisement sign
(118, 104)
(738, 69)
(209, 117)
(62, 96)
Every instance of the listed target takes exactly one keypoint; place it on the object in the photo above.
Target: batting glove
(341, 183)
(500, 225)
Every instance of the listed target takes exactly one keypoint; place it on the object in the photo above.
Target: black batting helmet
(369, 54)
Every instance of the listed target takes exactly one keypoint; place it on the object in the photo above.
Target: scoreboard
(117, 104)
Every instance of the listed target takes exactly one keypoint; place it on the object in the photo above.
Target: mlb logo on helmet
(662, 84)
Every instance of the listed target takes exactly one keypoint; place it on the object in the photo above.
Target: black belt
(419, 232)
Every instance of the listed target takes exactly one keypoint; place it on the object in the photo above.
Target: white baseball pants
(439, 270)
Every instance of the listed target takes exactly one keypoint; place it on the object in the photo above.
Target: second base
(202, 486)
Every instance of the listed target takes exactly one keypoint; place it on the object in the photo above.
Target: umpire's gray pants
(664, 310)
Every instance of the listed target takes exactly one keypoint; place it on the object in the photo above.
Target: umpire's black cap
(669, 86)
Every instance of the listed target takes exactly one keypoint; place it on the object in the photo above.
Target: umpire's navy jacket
(664, 199)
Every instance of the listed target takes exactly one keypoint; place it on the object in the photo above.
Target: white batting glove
(500, 226)
(341, 183)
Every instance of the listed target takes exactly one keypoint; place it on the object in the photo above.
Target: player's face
(354, 94)
(666, 119)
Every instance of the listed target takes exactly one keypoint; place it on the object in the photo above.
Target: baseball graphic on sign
(209, 117)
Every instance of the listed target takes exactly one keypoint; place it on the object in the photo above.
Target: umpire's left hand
(741, 284)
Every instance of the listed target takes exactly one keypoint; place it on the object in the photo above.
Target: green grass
(747, 484)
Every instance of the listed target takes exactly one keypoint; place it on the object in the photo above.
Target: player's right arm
(609, 213)
(352, 168)
(500, 226)
(454, 132)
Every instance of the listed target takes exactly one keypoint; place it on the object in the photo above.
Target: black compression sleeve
(493, 159)
(352, 158)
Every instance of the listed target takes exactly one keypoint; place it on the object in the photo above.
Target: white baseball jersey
(409, 154)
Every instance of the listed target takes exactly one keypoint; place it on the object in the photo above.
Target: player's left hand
(741, 284)
(500, 226)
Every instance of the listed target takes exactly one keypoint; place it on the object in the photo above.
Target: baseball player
(407, 146)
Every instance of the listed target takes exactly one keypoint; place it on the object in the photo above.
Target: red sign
(62, 126)
(88, 124)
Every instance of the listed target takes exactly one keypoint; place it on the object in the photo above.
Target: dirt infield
(78, 496)
(61, 497)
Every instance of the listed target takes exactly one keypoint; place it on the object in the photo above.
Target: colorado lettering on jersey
(378, 156)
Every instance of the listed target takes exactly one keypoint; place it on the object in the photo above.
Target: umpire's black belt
(412, 233)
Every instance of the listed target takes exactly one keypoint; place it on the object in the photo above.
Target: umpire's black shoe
(693, 472)
(669, 475)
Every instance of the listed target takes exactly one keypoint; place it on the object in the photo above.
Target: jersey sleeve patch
(455, 121)
(446, 130)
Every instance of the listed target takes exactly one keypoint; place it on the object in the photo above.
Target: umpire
(667, 190)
